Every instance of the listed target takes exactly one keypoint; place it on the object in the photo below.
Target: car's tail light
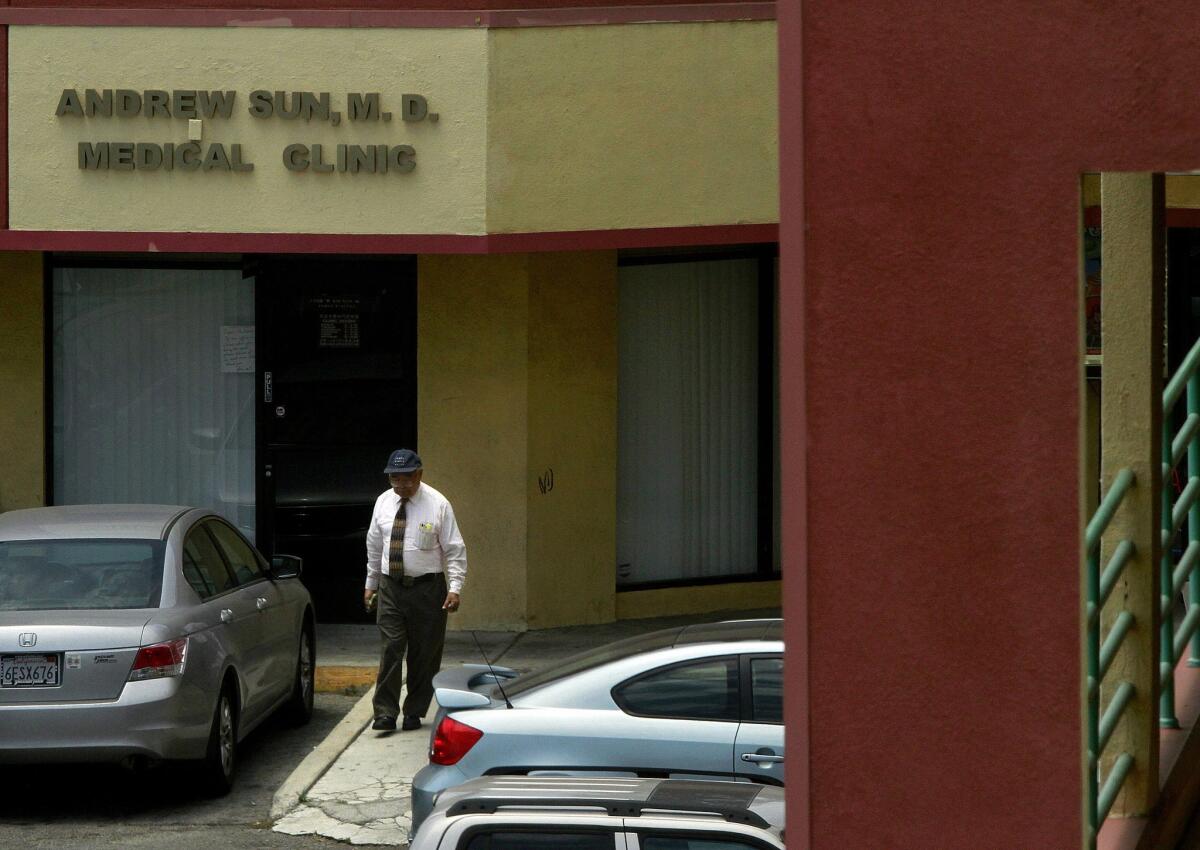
(452, 740)
(159, 661)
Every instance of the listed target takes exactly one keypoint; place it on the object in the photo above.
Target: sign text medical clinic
(361, 108)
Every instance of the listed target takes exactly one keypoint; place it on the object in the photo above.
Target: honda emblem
(27, 639)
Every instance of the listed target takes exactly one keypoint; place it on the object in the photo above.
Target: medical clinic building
(248, 252)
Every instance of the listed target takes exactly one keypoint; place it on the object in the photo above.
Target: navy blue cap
(403, 460)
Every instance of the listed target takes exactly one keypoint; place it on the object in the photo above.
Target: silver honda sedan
(135, 633)
(698, 702)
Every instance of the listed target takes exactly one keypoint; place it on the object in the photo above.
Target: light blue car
(698, 702)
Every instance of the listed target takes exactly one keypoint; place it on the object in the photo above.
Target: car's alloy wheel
(220, 762)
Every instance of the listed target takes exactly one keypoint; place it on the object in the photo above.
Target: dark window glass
(666, 841)
(707, 690)
(237, 552)
(592, 658)
(507, 840)
(203, 567)
(41, 575)
(766, 688)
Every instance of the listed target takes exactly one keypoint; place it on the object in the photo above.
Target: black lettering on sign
(546, 481)
(363, 107)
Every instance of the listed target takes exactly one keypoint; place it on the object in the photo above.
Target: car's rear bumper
(158, 718)
(427, 784)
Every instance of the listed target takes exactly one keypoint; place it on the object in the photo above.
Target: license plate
(30, 671)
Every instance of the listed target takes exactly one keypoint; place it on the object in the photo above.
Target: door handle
(262, 603)
(226, 615)
(761, 758)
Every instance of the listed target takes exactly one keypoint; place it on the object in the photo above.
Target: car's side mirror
(286, 566)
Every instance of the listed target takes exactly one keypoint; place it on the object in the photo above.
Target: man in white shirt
(416, 566)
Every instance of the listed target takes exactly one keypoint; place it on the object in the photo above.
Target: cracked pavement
(364, 796)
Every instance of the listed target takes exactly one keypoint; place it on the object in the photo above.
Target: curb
(335, 679)
(315, 764)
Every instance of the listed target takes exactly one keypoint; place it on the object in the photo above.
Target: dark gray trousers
(409, 618)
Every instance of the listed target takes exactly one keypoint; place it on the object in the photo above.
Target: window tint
(202, 565)
(237, 552)
(39, 575)
(766, 689)
(593, 658)
(508, 840)
(706, 690)
(666, 841)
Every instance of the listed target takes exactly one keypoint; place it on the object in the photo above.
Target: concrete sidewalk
(355, 785)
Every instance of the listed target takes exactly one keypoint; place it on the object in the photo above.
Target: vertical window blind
(687, 421)
(153, 388)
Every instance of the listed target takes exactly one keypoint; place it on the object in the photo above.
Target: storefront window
(153, 388)
(689, 498)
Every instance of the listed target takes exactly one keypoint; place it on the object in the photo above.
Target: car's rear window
(591, 659)
(41, 575)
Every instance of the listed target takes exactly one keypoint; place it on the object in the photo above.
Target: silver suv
(569, 813)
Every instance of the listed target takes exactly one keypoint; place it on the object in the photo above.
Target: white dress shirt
(432, 542)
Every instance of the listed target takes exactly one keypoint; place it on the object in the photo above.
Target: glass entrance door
(338, 356)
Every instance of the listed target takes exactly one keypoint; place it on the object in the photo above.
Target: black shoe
(385, 724)
(411, 721)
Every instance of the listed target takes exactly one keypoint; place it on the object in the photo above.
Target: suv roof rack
(730, 802)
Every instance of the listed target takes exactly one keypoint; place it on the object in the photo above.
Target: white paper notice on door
(237, 348)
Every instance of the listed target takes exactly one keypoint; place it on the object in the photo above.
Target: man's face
(405, 484)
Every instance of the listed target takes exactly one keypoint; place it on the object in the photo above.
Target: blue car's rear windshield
(593, 658)
(46, 575)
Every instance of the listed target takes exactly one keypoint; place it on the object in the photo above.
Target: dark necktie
(396, 546)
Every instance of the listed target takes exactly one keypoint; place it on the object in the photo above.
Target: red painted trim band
(394, 19)
(335, 243)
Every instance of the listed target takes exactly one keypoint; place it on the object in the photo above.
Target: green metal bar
(1112, 786)
(1186, 630)
(1179, 380)
(1185, 567)
(1093, 690)
(1104, 514)
(1193, 454)
(1166, 654)
(1183, 440)
(1185, 502)
(1112, 570)
(1112, 714)
(1112, 643)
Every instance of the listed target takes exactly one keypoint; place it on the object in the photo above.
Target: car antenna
(491, 670)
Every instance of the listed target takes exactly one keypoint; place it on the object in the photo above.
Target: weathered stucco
(445, 193)
(539, 129)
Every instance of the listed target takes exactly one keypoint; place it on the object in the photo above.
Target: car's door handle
(761, 758)
(226, 615)
(262, 603)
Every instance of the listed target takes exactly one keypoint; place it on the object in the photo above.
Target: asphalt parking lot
(95, 806)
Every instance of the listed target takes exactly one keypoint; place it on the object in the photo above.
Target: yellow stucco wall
(22, 411)
(540, 128)
(444, 194)
(517, 383)
(472, 420)
(705, 599)
(634, 126)
(572, 438)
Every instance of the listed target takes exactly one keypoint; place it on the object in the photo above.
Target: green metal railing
(1176, 512)
(1100, 656)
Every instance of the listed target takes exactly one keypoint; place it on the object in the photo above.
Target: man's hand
(451, 603)
(367, 594)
